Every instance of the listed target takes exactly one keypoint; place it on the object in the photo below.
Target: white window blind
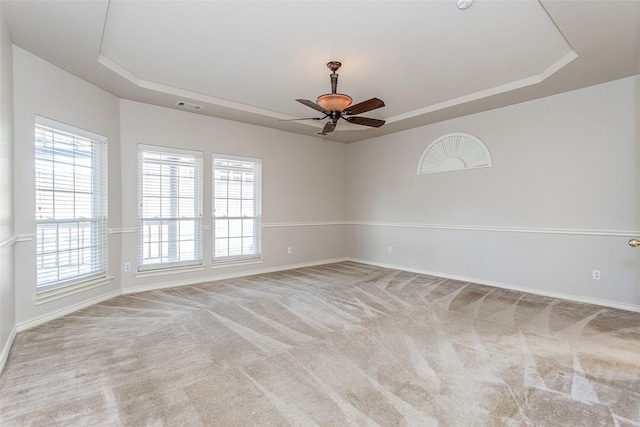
(237, 208)
(71, 205)
(169, 207)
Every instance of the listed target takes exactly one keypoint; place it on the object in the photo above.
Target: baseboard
(576, 298)
(7, 348)
(68, 310)
(226, 276)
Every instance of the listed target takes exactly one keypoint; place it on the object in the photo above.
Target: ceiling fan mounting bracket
(334, 65)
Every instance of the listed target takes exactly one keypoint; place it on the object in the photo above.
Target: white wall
(44, 90)
(562, 198)
(304, 196)
(7, 234)
(637, 168)
(564, 175)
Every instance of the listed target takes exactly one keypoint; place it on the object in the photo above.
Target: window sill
(65, 291)
(236, 262)
(169, 270)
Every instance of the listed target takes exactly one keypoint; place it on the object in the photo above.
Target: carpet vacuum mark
(333, 345)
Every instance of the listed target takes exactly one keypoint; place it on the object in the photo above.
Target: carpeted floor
(340, 344)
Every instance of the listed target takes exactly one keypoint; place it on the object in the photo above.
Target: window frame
(256, 217)
(172, 222)
(97, 274)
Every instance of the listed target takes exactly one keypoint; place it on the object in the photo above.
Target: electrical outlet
(595, 274)
(127, 267)
(289, 250)
(389, 249)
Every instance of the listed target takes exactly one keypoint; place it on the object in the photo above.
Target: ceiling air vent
(189, 105)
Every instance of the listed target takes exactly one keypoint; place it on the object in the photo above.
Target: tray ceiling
(249, 61)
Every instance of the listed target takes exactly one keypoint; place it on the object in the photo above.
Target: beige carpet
(341, 344)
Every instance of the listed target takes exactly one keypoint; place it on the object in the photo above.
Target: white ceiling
(249, 61)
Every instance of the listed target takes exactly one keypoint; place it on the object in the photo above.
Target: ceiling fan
(338, 106)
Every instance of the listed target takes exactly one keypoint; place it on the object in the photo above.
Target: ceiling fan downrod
(334, 66)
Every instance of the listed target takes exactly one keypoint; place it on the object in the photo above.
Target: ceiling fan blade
(312, 105)
(363, 107)
(366, 121)
(305, 118)
(328, 128)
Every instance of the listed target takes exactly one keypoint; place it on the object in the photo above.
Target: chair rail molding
(570, 231)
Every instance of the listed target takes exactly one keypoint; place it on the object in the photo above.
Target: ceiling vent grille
(189, 106)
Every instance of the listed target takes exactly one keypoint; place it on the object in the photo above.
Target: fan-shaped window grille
(454, 151)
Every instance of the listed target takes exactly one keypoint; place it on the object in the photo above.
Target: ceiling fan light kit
(338, 106)
(334, 101)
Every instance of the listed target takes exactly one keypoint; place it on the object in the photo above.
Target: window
(169, 207)
(71, 205)
(452, 152)
(237, 208)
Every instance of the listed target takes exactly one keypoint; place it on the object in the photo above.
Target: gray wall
(44, 90)
(303, 191)
(304, 197)
(559, 201)
(7, 234)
